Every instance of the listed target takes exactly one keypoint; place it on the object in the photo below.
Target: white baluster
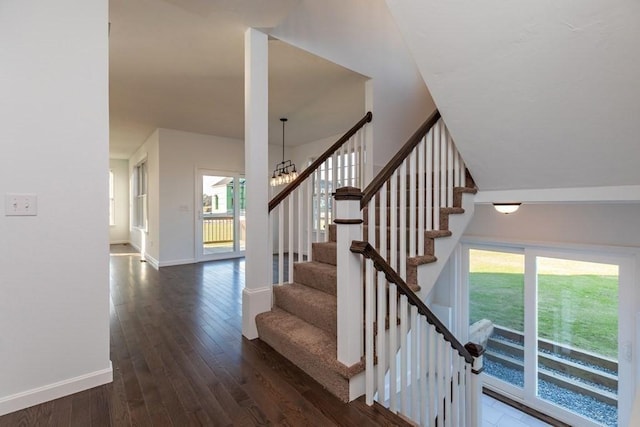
(456, 167)
(382, 295)
(443, 165)
(404, 325)
(440, 370)
(290, 248)
(424, 349)
(421, 216)
(433, 378)
(281, 243)
(447, 383)
(300, 217)
(393, 347)
(369, 315)
(455, 396)
(309, 216)
(317, 198)
(402, 232)
(436, 178)
(450, 169)
(412, 203)
(393, 224)
(415, 409)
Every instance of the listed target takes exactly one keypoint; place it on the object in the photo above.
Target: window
(140, 182)
(561, 340)
(112, 203)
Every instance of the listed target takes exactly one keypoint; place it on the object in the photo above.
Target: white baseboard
(176, 262)
(151, 260)
(53, 391)
(119, 242)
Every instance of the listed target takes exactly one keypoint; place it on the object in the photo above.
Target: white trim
(621, 193)
(176, 262)
(254, 302)
(56, 390)
(121, 242)
(151, 260)
(536, 244)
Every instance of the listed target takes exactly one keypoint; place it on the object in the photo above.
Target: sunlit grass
(574, 308)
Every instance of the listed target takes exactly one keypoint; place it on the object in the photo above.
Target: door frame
(628, 260)
(200, 256)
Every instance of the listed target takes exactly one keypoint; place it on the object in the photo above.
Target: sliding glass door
(577, 335)
(220, 224)
(562, 327)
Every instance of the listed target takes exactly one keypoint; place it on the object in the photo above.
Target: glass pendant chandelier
(285, 171)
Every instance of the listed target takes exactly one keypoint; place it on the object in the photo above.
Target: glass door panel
(577, 317)
(217, 214)
(496, 297)
(221, 224)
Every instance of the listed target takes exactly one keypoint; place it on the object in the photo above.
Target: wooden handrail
(397, 160)
(278, 198)
(365, 249)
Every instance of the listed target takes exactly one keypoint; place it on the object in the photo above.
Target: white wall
(181, 154)
(361, 35)
(577, 223)
(119, 232)
(536, 94)
(54, 287)
(148, 241)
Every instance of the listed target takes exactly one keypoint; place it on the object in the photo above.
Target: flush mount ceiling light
(285, 171)
(506, 208)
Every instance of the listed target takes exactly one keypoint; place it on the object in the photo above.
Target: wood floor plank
(179, 359)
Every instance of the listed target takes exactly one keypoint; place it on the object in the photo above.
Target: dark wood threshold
(524, 408)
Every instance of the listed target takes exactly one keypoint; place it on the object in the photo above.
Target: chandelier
(285, 171)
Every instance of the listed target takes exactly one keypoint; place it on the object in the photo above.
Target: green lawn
(576, 309)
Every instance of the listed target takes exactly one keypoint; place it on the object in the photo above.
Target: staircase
(302, 325)
(418, 217)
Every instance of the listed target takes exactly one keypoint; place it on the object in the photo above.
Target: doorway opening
(221, 222)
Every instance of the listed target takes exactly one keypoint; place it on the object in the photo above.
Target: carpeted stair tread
(310, 348)
(317, 275)
(311, 305)
(452, 210)
(434, 234)
(420, 260)
(325, 252)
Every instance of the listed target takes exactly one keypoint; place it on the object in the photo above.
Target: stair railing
(412, 191)
(439, 378)
(300, 214)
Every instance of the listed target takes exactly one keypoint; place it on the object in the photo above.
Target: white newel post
(256, 295)
(350, 292)
(475, 405)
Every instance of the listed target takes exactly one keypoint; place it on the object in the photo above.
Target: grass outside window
(580, 310)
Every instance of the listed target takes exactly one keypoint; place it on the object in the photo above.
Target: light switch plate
(20, 204)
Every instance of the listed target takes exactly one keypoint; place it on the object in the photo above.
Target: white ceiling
(179, 64)
(537, 95)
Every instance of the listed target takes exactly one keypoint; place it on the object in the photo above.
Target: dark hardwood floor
(179, 359)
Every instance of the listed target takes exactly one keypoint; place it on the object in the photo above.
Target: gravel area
(576, 402)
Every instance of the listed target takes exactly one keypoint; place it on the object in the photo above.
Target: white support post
(350, 296)
(256, 296)
(475, 403)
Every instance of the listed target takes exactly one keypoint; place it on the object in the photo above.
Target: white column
(256, 296)
(350, 316)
